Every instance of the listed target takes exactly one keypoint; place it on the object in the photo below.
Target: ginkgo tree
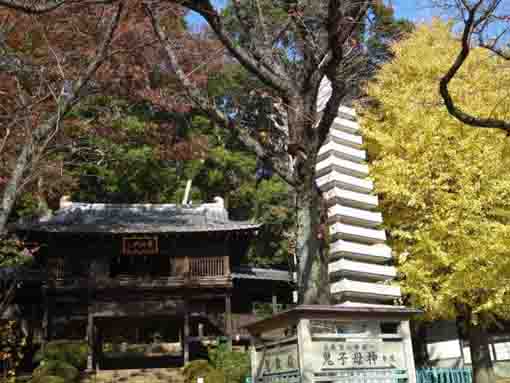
(445, 187)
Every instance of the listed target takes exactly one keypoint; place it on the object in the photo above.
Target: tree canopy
(445, 187)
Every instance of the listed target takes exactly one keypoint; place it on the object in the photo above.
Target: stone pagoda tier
(359, 260)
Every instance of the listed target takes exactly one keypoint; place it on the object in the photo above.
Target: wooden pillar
(45, 323)
(228, 320)
(185, 338)
(48, 318)
(91, 342)
(99, 347)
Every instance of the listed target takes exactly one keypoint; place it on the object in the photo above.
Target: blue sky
(415, 10)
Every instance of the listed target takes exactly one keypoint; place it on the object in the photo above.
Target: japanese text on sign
(341, 355)
(140, 245)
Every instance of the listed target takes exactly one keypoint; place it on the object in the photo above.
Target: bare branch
(278, 81)
(341, 28)
(4, 140)
(38, 138)
(32, 7)
(36, 7)
(494, 44)
(209, 109)
(471, 23)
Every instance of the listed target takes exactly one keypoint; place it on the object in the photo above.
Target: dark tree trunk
(419, 339)
(311, 252)
(483, 371)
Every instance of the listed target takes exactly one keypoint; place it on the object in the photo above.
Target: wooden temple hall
(156, 283)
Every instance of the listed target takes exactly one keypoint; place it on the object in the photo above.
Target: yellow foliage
(444, 186)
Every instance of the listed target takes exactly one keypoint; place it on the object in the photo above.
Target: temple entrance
(149, 342)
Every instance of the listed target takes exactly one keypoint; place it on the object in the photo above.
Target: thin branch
(37, 7)
(32, 8)
(4, 140)
(255, 64)
(41, 132)
(470, 25)
(196, 97)
(262, 22)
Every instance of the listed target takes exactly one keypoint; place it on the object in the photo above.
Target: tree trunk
(22, 163)
(483, 371)
(313, 274)
(12, 187)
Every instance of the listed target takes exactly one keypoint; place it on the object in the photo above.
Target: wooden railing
(181, 269)
(207, 266)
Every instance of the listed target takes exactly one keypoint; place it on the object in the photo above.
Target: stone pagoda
(359, 256)
(364, 335)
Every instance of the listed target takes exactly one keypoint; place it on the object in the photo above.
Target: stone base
(344, 343)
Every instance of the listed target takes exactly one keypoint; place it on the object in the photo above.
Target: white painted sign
(334, 354)
(279, 359)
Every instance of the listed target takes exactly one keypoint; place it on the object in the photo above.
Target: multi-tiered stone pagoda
(359, 257)
(364, 335)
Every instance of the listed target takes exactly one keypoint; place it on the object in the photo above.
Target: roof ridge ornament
(65, 202)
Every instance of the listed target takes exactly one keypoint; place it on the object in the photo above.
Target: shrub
(234, 365)
(48, 379)
(224, 367)
(56, 368)
(73, 353)
(195, 369)
(216, 376)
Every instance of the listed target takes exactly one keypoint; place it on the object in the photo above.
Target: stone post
(405, 331)
(305, 350)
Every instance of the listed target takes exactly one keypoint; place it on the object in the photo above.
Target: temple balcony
(341, 151)
(339, 213)
(344, 138)
(344, 181)
(352, 199)
(142, 282)
(355, 233)
(346, 125)
(126, 271)
(348, 289)
(345, 268)
(343, 166)
(378, 253)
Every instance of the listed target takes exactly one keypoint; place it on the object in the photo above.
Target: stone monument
(363, 337)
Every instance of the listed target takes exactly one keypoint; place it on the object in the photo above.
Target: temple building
(122, 276)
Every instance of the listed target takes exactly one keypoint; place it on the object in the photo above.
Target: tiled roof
(138, 218)
(260, 273)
